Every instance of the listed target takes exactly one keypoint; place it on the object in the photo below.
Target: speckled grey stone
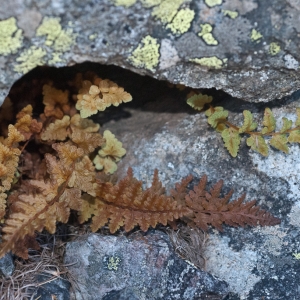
(6, 265)
(167, 135)
(142, 266)
(48, 289)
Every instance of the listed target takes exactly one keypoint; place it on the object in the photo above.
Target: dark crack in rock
(140, 266)
(248, 48)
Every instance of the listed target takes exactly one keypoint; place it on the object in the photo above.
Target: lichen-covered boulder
(141, 266)
(248, 48)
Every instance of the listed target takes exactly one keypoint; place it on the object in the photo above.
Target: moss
(212, 3)
(10, 36)
(210, 62)
(274, 48)
(255, 36)
(30, 59)
(182, 21)
(166, 10)
(59, 39)
(146, 55)
(113, 263)
(206, 34)
(125, 3)
(230, 13)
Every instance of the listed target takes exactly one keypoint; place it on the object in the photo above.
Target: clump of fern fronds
(256, 139)
(40, 187)
(64, 170)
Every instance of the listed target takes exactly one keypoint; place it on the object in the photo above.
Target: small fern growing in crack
(256, 140)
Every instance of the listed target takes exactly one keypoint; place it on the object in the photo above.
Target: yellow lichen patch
(146, 55)
(51, 28)
(182, 21)
(93, 36)
(59, 39)
(274, 48)
(29, 59)
(55, 58)
(255, 36)
(166, 10)
(10, 36)
(113, 263)
(296, 255)
(210, 62)
(212, 3)
(206, 34)
(150, 3)
(230, 13)
(125, 3)
(64, 41)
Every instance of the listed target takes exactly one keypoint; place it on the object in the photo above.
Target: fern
(43, 186)
(232, 134)
(210, 208)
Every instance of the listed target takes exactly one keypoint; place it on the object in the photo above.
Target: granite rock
(247, 48)
(6, 265)
(140, 266)
(167, 135)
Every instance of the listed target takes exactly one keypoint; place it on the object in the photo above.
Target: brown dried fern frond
(210, 208)
(69, 175)
(127, 204)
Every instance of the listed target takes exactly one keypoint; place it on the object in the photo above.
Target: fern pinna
(64, 171)
(232, 134)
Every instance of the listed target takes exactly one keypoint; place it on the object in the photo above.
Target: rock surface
(159, 130)
(142, 266)
(165, 134)
(50, 289)
(248, 48)
(6, 265)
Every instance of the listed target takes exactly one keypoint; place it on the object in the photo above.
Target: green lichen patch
(166, 10)
(10, 36)
(274, 48)
(256, 36)
(56, 37)
(182, 21)
(146, 55)
(30, 59)
(206, 34)
(212, 3)
(230, 13)
(211, 62)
